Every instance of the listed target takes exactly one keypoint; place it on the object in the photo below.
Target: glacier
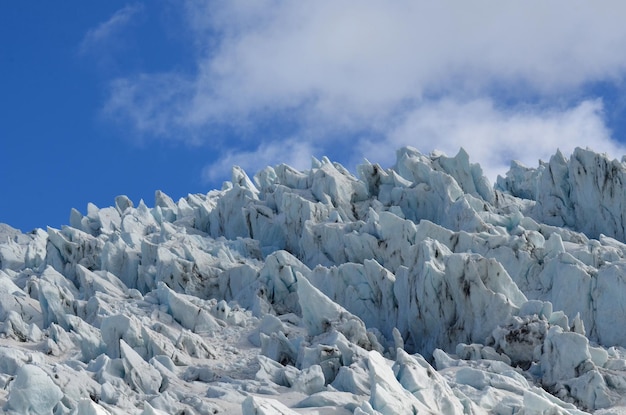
(419, 288)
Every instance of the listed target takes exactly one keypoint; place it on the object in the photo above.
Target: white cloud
(294, 152)
(369, 56)
(493, 136)
(396, 69)
(151, 103)
(96, 37)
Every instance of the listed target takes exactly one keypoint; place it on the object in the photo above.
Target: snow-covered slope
(414, 289)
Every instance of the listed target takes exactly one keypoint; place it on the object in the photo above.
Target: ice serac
(137, 373)
(33, 392)
(422, 381)
(584, 192)
(388, 396)
(320, 314)
(89, 407)
(19, 251)
(184, 311)
(265, 406)
(448, 298)
(411, 288)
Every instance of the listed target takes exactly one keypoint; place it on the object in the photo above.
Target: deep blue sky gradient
(57, 151)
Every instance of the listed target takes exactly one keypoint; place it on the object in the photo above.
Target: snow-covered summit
(418, 288)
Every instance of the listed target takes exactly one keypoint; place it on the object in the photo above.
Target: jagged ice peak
(419, 288)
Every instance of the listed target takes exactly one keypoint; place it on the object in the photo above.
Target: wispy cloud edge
(98, 35)
(391, 70)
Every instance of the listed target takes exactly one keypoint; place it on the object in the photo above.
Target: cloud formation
(435, 74)
(97, 37)
(495, 136)
(293, 152)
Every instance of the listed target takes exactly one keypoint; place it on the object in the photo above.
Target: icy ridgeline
(417, 289)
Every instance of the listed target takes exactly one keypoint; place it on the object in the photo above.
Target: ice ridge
(412, 289)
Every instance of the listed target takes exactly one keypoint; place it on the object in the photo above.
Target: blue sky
(99, 99)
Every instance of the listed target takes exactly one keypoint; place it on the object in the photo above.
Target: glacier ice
(33, 392)
(418, 287)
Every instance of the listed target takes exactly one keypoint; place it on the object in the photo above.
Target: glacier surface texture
(419, 288)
